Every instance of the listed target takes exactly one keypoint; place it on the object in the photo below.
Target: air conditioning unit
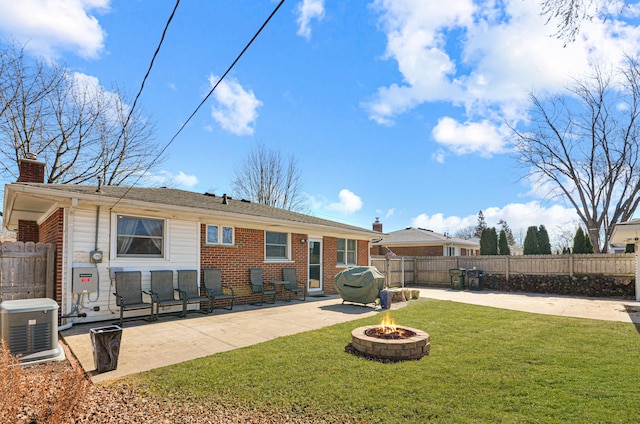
(29, 328)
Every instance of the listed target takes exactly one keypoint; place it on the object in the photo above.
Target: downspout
(67, 243)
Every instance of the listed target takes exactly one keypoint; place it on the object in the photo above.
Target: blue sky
(393, 108)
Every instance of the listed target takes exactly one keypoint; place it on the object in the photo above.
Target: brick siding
(51, 231)
(28, 231)
(248, 251)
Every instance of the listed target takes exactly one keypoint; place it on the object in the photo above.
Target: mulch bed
(121, 403)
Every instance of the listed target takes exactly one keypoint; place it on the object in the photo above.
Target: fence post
(402, 267)
(571, 265)
(50, 289)
(506, 271)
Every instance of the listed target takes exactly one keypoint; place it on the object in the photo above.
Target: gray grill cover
(360, 284)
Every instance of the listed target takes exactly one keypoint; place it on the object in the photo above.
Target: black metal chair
(257, 286)
(129, 293)
(214, 289)
(289, 275)
(190, 291)
(163, 292)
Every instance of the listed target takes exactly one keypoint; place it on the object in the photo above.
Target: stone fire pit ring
(401, 349)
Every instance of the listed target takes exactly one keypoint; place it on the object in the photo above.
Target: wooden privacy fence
(27, 270)
(435, 269)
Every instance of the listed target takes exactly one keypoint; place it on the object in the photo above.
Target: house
(421, 242)
(626, 233)
(113, 228)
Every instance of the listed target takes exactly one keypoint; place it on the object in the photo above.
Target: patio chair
(190, 291)
(163, 292)
(257, 286)
(289, 275)
(214, 289)
(129, 293)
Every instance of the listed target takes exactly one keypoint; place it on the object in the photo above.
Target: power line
(246, 47)
(146, 75)
(153, 58)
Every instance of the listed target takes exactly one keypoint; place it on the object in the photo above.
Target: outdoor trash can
(474, 279)
(105, 342)
(385, 299)
(457, 278)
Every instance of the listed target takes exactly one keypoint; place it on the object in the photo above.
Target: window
(140, 237)
(451, 251)
(276, 246)
(347, 252)
(217, 234)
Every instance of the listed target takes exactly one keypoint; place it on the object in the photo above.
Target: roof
(626, 232)
(419, 236)
(29, 199)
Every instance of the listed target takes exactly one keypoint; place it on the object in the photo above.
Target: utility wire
(246, 47)
(153, 59)
(155, 54)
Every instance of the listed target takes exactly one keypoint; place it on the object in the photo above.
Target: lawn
(485, 365)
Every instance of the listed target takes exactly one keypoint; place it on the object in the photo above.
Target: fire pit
(389, 341)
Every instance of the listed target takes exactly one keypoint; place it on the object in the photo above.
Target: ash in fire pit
(389, 341)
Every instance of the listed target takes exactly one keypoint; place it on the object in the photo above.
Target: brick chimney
(377, 226)
(31, 170)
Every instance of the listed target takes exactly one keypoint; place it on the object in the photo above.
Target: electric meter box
(85, 280)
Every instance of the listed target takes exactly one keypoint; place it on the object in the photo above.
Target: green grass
(485, 365)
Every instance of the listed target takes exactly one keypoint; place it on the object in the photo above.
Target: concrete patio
(172, 340)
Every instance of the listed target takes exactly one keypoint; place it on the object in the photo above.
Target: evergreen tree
(481, 225)
(544, 246)
(503, 243)
(493, 241)
(531, 242)
(579, 242)
(489, 242)
(484, 242)
(588, 246)
(511, 240)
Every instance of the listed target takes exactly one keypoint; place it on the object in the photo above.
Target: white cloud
(501, 52)
(385, 215)
(470, 137)
(348, 202)
(49, 27)
(169, 179)
(519, 216)
(439, 156)
(235, 108)
(308, 10)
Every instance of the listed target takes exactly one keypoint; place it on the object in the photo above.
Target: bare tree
(585, 146)
(466, 233)
(72, 123)
(570, 14)
(265, 177)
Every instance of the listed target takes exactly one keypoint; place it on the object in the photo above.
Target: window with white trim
(219, 234)
(347, 252)
(276, 246)
(140, 237)
(451, 251)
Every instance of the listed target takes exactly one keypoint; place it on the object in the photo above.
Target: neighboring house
(144, 229)
(629, 233)
(420, 242)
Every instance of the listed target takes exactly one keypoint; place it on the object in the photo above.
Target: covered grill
(360, 284)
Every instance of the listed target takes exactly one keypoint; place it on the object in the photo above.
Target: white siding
(182, 251)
